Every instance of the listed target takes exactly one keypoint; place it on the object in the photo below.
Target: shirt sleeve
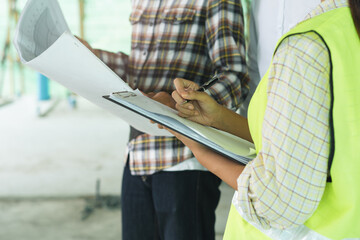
(283, 185)
(118, 62)
(226, 45)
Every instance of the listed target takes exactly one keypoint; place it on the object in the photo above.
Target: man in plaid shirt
(166, 193)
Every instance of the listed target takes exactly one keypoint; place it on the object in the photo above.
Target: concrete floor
(49, 167)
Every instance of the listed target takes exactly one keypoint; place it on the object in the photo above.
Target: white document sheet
(45, 44)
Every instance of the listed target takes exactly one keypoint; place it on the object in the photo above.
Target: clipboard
(224, 143)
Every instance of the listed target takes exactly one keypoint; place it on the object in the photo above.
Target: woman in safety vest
(304, 120)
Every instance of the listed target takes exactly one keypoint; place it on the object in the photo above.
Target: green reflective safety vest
(338, 213)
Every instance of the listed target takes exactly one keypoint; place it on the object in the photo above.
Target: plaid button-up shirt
(186, 39)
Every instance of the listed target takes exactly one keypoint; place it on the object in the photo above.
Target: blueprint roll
(43, 87)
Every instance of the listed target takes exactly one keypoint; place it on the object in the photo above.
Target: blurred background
(104, 24)
(61, 157)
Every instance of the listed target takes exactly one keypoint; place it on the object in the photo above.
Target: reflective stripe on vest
(338, 214)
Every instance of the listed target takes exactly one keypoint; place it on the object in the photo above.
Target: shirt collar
(327, 6)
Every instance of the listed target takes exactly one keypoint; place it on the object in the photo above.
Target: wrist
(216, 120)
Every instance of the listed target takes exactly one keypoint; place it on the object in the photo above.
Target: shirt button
(144, 53)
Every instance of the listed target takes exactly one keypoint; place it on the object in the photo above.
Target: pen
(204, 87)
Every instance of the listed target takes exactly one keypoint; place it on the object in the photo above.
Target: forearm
(231, 122)
(225, 169)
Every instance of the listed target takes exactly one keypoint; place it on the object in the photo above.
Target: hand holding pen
(193, 103)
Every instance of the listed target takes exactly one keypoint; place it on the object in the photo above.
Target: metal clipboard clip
(124, 94)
